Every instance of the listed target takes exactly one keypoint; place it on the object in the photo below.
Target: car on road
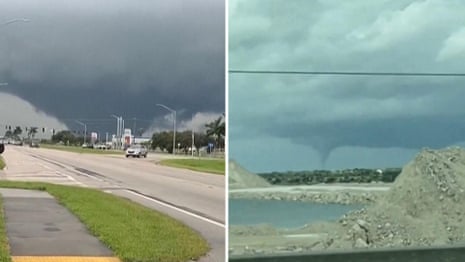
(34, 144)
(136, 151)
(17, 142)
(85, 145)
(101, 146)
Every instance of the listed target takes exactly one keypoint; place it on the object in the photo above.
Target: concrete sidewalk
(40, 229)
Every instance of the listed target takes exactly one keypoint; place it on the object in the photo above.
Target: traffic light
(43, 129)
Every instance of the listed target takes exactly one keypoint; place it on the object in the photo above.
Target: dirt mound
(239, 177)
(424, 207)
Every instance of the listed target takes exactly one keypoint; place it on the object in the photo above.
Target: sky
(86, 60)
(306, 122)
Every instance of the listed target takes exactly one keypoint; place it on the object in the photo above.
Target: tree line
(214, 134)
(17, 131)
(356, 175)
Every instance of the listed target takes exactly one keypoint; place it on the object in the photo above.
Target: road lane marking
(63, 259)
(192, 214)
(177, 209)
(71, 178)
(44, 166)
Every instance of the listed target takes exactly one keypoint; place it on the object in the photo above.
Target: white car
(101, 146)
(136, 151)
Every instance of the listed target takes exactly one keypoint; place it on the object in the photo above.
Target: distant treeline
(356, 175)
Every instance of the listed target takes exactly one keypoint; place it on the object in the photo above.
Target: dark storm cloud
(383, 113)
(95, 58)
(328, 112)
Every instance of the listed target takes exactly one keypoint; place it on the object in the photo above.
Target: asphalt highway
(197, 199)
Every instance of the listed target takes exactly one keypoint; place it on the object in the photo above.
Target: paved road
(195, 198)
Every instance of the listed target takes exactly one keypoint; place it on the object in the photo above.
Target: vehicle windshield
(347, 128)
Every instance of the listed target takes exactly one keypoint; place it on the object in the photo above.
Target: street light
(174, 124)
(16, 20)
(119, 120)
(85, 130)
(25, 20)
(2, 147)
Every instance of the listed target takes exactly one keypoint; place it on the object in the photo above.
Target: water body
(283, 214)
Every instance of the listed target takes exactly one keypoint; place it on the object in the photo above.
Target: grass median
(81, 150)
(215, 166)
(4, 247)
(133, 232)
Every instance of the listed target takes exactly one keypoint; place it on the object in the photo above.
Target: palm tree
(8, 134)
(216, 129)
(17, 132)
(32, 132)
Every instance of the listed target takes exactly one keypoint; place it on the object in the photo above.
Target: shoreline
(267, 239)
(321, 193)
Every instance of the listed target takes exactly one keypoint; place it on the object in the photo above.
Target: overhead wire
(351, 73)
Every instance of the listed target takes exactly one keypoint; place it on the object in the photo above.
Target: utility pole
(174, 125)
(135, 119)
(119, 129)
(193, 144)
(85, 129)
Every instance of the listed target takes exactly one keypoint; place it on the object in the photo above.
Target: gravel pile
(424, 207)
(239, 177)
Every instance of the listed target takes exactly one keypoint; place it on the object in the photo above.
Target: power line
(282, 72)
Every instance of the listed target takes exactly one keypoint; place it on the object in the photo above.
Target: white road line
(72, 179)
(178, 209)
(150, 199)
(44, 166)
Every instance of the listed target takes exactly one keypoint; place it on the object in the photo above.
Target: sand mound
(424, 207)
(239, 177)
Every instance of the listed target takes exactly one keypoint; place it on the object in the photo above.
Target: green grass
(81, 150)
(2, 163)
(4, 247)
(214, 166)
(133, 232)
